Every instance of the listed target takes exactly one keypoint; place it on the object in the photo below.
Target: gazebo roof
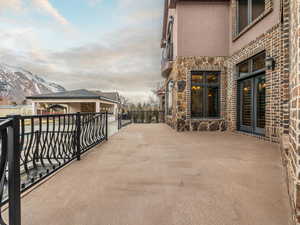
(79, 94)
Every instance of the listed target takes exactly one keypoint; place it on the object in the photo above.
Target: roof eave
(68, 98)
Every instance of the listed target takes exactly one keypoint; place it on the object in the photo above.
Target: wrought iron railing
(41, 145)
(154, 116)
(10, 169)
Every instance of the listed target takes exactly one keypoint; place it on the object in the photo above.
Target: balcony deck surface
(152, 175)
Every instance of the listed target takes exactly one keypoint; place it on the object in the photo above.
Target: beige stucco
(261, 27)
(203, 28)
(74, 107)
(15, 110)
(206, 28)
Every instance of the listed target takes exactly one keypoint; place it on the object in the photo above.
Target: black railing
(154, 116)
(10, 169)
(38, 146)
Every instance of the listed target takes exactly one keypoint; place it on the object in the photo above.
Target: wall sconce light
(171, 84)
(270, 63)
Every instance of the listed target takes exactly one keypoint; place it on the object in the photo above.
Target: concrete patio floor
(152, 175)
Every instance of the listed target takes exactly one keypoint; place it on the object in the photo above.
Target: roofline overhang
(173, 3)
(81, 98)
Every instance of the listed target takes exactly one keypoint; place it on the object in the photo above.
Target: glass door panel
(246, 105)
(260, 104)
(252, 104)
(197, 101)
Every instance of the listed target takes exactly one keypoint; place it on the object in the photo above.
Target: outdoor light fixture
(270, 63)
(171, 84)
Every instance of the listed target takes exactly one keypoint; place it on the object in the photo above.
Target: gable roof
(79, 94)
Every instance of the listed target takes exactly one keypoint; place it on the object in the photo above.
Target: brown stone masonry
(181, 74)
(270, 42)
(291, 151)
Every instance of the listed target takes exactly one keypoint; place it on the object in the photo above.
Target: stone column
(292, 145)
(116, 111)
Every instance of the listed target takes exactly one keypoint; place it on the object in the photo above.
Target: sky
(107, 45)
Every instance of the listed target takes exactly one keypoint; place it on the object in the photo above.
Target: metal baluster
(78, 131)
(14, 172)
(106, 126)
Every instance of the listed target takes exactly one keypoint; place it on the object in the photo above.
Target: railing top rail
(60, 115)
(5, 123)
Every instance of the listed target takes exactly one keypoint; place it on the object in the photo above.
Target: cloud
(45, 5)
(94, 2)
(129, 64)
(10, 4)
(126, 59)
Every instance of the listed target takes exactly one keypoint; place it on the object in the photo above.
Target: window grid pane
(205, 94)
(248, 11)
(259, 62)
(258, 7)
(242, 14)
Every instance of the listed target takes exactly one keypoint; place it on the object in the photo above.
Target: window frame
(250, 19)
(205, 85)
(250, 67)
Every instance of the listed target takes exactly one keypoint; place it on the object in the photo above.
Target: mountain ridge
(19, 83)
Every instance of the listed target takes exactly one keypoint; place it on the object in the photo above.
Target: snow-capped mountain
(19, 83)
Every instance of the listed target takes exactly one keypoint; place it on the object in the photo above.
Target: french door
(252, 104)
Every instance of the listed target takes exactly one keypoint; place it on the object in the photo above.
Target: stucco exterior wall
(74, 107)
(203, 28)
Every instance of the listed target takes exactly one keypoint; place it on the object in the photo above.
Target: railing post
(106, 125)
(78, 134)
(14, 171)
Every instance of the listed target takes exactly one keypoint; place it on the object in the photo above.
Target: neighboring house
(76, 101)
(24, 110)
(234, 65)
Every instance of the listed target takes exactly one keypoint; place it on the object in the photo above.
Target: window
(169, 97)
(253, 65)
(205, 94)
(248, 11)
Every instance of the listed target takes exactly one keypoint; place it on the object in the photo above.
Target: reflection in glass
(261, 102)
(242, 14)
(259, 62)
(246, 86)
(243, 68)
(197, 78)
(258, 7)
(213, 102)
(197, 101)
(212, 78)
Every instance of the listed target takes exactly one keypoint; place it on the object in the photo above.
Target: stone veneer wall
(270, 42)
(181, 73)
(291, 153)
